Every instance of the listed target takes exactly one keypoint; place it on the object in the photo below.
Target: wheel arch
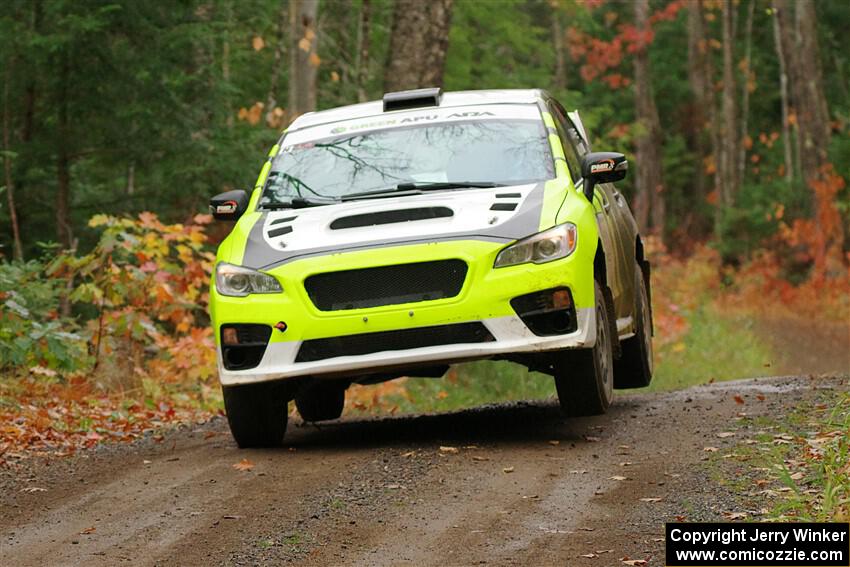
(640, 257)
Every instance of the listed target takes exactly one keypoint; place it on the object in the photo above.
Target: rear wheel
(321, 400)
(634, 368)
(257, 413)
(584, 378)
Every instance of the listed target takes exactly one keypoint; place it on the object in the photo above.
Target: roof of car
(449, 99)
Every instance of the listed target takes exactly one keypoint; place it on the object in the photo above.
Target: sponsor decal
(226, 207)
(602, 166)
(430, 116)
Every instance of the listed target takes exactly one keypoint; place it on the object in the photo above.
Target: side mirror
(229, 206)
(602, 167)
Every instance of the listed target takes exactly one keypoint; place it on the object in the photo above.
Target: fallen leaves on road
(739, 400)
(508, 470)
(244, 465)
(31, 489)
(450, 450)
(479, 458)
(710, 449)
(617, 477)
(651, 499)
(589, 555)
(634, 562)
(89, 530)
(58, 419)
(726, 434)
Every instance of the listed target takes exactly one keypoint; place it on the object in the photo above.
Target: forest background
(121, 118)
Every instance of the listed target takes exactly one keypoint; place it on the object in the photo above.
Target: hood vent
(283, 220)
(391, 217)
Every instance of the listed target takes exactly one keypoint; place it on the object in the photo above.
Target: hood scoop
(391, 217)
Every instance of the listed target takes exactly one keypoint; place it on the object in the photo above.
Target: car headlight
(237, 281)
(553, 244)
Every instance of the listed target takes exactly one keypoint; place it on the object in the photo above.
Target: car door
(575, 146)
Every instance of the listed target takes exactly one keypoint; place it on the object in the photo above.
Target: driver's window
(568, 134)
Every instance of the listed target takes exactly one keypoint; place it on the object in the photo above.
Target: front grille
(369, 343)
(386, 285)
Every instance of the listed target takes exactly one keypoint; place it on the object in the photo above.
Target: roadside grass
(820, 483)
(795, 468)
(473, 384)
(715, 348)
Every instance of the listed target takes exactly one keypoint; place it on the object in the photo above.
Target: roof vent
(418, 98)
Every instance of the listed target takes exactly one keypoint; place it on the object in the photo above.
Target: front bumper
(485, 297)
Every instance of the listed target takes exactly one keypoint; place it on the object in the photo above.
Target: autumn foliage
(108, 345)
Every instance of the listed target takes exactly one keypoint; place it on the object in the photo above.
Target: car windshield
(482, 152)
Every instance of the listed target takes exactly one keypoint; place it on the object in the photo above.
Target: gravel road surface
(513, 484)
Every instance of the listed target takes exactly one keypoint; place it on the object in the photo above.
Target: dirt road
(503, 485)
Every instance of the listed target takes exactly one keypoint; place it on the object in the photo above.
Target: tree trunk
(303, 57)
(702, 111)
(418, 44)
(7, 167)
(813, 114)
(272, 98)
(365, 29)
(782, 55)
(729, 138)
(63, 161)
(745, 92)
(649, 200)
(798, 32)
(225, 63)
(560, 80)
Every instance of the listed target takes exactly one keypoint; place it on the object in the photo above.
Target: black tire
(635, 366)
(257, 413)
(321, 400)
(584, 378)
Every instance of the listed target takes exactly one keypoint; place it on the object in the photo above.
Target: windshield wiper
(417, 188)
(299, 203)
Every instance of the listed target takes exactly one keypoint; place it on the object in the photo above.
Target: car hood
(501, 215)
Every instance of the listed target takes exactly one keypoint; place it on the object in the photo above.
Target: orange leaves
(600, 55)
(274, 118)
(258, 43)
(151, 287)
(244, 465)
(616, 81)
(59, 419)
(252, 115)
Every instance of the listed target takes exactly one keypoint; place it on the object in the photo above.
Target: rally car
(393, 238)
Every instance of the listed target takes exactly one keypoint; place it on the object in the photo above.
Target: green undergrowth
(715, 348)
(473, 384)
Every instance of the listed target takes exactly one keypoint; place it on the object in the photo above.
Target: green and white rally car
(396, 237)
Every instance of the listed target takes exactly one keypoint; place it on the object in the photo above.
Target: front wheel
(584, 378)
(257, 413)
